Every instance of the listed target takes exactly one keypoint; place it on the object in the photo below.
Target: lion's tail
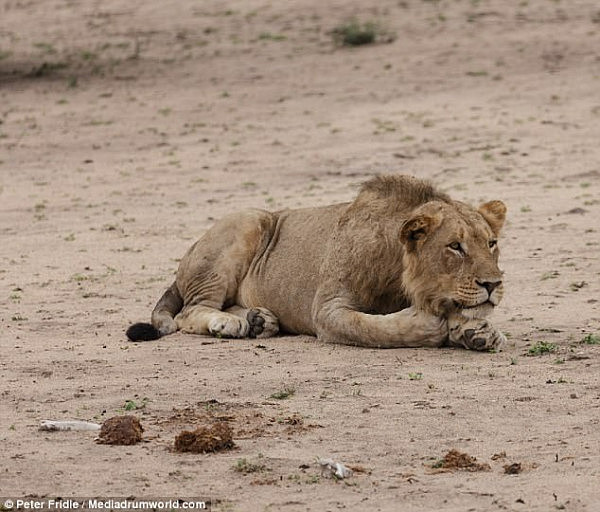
(142, 331)
(162, 318)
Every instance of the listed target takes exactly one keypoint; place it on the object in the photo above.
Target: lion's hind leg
(234, 322)
(211, 272)
(262, 322)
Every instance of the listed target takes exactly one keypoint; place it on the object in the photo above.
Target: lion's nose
(490, 286)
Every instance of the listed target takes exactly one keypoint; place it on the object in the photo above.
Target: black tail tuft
(142, 332)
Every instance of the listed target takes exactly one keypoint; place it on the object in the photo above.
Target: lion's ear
(494, 213)
(418, 228)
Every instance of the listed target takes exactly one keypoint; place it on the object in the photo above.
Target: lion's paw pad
(476, 334)
(263, 323)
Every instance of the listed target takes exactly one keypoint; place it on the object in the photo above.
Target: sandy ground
(127, 127)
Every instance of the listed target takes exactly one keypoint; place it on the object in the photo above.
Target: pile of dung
(455, 460)
(215, 438)
(121, 430)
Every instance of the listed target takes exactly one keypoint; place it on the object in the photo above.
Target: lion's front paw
(263, 323)
(228, 326)
(474, 333)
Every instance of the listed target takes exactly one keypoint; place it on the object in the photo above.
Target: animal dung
(215, 438)
(121, 430)
(455, 460)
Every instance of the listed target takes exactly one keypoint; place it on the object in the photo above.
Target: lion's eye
(455, 246)
(493, 243)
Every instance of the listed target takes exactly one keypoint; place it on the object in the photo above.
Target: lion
(403, 265)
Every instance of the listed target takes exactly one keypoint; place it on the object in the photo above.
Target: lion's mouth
(488, 303)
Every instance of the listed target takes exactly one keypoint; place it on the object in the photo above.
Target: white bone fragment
(335, 469)
(52, 425)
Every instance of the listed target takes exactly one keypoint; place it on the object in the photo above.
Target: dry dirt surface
(127, 127)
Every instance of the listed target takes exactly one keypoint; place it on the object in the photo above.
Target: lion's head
(451, 257)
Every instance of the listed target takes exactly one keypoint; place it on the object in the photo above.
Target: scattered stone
(294, 419)
(512, 469)
(359, 469)
(577, 357)
(576, 286)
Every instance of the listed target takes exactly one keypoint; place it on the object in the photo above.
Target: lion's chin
(447, 306)
(479, 311)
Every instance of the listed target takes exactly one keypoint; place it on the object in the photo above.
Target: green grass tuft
(541, 347)
(283, 393)
(591, 339)
(355, 33)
